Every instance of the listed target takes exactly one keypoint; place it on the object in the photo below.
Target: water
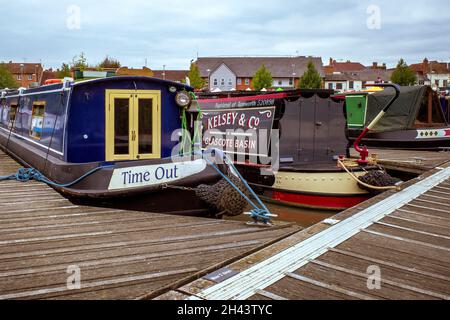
(302, 216)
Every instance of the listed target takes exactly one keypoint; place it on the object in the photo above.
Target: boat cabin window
(430, 114)
(37, 120)
(12, 115)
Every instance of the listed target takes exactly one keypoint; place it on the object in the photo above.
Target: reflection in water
(302, 216)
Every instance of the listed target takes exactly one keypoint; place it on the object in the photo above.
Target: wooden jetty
(45, 239)
(394, 246)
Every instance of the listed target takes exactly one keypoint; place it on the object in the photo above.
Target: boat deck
(410, 161)
(394, 246)
(45, 240)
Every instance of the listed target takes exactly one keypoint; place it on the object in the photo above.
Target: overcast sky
(172, 32)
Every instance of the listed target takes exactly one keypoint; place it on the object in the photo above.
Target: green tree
(311, 78)
(196, 80)
(262, 79)
(6, 78)
(109, 63)
(64, 71)
(403, 75)
(80, 62)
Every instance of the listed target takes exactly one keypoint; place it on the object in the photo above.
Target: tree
(262, 79)
(64, 71)
(403, 75)
(311, 79)
(6, 78)
(197, 81)
(80, 62)
(109, 63)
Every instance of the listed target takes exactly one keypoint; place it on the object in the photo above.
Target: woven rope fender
(223, 197)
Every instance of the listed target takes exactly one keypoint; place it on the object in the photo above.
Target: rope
(27, 174)
(259, 214)
(365, 184)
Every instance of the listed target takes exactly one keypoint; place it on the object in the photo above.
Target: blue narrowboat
(106, 139)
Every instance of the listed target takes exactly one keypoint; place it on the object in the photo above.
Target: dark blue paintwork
(80, 112)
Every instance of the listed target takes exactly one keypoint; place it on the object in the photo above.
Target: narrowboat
(107, 141)
(414, 121)
(310, 128)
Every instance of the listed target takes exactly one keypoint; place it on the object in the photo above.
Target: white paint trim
(32, 141)
(273, 269)
(40, 92)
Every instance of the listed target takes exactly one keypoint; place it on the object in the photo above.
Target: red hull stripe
(247, 98)
(447, 132)
(328, 202)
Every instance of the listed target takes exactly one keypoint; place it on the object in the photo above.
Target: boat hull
(414, 139)
(317, 188)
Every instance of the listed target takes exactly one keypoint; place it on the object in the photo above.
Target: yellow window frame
(134, 96)
(37, 105)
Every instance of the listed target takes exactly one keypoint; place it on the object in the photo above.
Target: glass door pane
(121, 126)
(145, 127)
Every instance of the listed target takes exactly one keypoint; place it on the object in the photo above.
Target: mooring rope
(341, 163)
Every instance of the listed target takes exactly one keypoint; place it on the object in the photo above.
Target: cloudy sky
(172, 32)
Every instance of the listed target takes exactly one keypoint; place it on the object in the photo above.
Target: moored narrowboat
(108, 141)
(310, 126)
(414, 121)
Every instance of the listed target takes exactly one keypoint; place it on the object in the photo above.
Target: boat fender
(223, 196)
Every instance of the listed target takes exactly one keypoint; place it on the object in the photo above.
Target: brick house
(434, 73)
(26, 74)
(236, 73)
(355, 80)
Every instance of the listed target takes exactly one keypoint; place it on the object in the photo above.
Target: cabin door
(133, 125)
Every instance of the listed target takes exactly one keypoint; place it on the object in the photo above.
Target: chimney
(375, 65)
(425, 66)
(331, 61)
(384, 66)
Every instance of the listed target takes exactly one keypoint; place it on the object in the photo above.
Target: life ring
(52, 81)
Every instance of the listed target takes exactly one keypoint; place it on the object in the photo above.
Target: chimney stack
(375, 65)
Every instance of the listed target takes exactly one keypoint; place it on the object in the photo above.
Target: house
(236, 73)
(434, 73)
(25, 74)
(171, 75)
(339, 67)
(48, 74)
(356, 80)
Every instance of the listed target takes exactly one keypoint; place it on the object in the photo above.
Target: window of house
(351, 85)
(445, 84)
(37, 120)
(339, 86)
(215, 82)
(330, 86)
(247, 81)
(239, 81)
(230, 82)
(19, 77)
(290, 82)
(437, 83)
(12, 115)
(222, 82)
(280, 82)
(30, 77)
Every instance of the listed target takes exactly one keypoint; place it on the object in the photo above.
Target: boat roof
(59, 86)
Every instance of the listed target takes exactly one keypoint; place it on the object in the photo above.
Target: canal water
(302, 216)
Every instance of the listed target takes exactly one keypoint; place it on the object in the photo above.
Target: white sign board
(134, 177)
